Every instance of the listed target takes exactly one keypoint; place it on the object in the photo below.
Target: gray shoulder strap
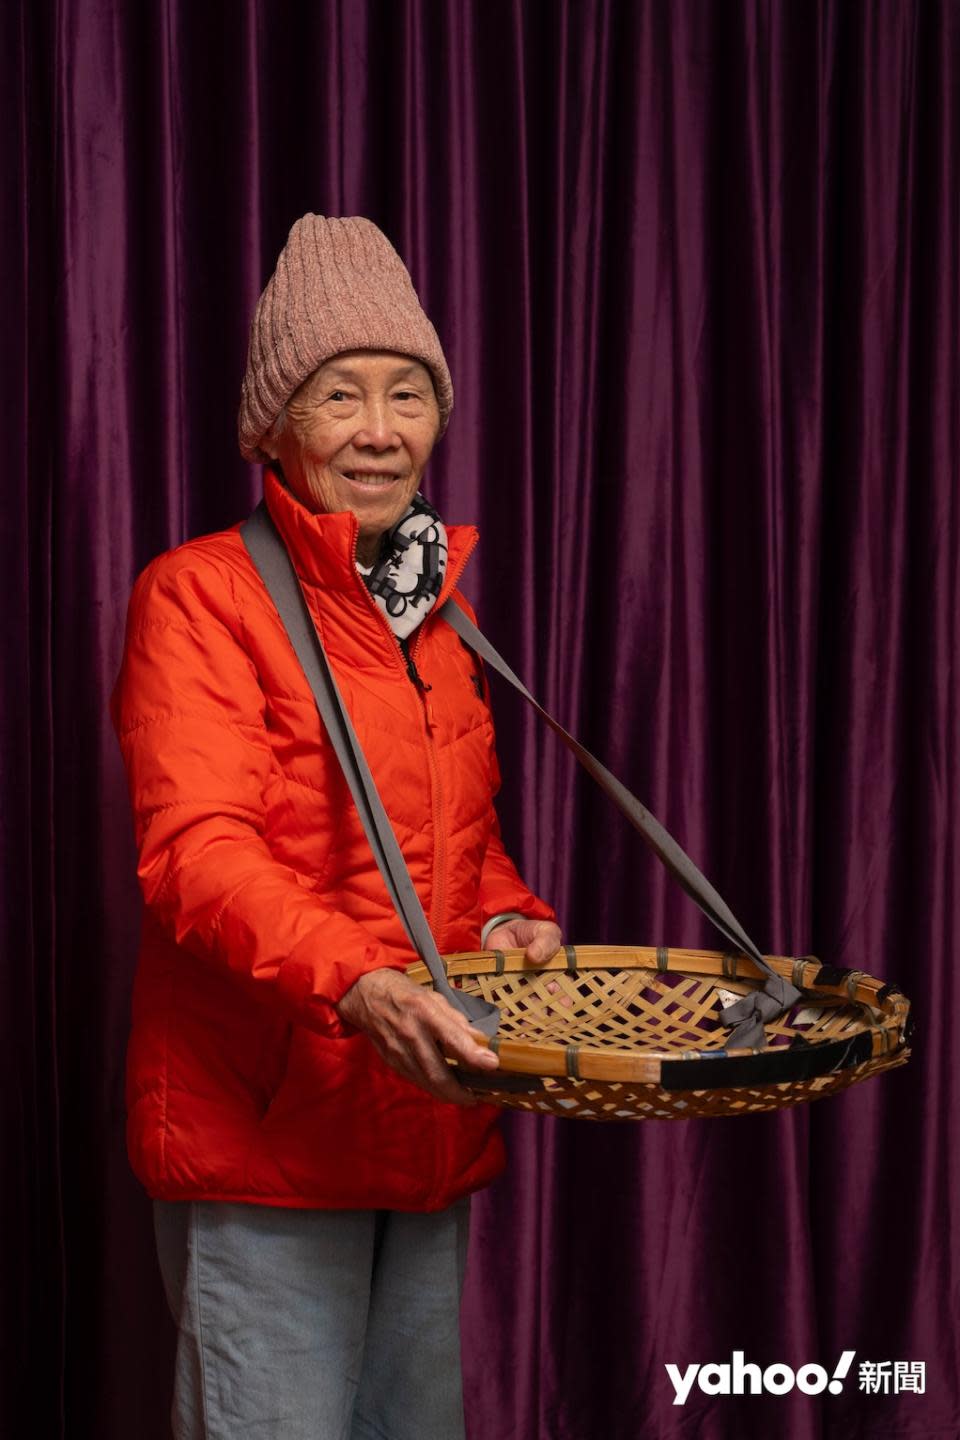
(271, 559)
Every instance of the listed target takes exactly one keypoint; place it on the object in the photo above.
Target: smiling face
(356, 436)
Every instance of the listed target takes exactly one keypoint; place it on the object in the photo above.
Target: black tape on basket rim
(830, 975)
(716, 1070)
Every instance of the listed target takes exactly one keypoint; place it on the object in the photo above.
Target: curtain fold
(696, 269)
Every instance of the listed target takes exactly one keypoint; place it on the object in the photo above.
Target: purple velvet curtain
(697, 271)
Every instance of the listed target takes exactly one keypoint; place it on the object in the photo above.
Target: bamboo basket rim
(883, 1028)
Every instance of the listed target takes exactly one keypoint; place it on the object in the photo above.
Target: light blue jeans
(314, 1324)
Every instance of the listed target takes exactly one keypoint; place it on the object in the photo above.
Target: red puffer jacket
(263, 901)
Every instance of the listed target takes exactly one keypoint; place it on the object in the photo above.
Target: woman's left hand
(539, 939)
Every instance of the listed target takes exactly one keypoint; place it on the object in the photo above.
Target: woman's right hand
(412, 1029)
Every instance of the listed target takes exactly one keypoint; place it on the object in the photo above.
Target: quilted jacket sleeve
(501, 888)
(188, 710)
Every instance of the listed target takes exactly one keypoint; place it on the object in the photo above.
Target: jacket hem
(298, 1202)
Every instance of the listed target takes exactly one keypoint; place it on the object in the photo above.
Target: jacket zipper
(414, 674)
(408, 659)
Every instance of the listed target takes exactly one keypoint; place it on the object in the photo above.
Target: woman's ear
(270, 443)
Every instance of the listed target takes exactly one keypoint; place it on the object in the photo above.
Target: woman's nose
(377, 429)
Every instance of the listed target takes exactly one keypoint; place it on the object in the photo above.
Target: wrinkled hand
(412, 1029)
(539, 939)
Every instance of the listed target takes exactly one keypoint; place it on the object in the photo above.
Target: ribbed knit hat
(339, 285)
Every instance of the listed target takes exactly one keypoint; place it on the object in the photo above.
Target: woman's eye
(337, 395)
(405, 395)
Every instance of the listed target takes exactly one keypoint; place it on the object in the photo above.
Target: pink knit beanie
(339, 285)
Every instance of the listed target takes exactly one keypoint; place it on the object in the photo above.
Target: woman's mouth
(370, 479)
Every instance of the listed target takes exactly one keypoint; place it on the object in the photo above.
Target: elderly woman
(291, 1108)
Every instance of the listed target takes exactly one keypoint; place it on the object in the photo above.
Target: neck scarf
(407, 576)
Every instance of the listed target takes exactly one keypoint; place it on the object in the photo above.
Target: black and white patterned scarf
(408, 574)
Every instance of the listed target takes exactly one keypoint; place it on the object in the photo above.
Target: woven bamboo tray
(632, 1033)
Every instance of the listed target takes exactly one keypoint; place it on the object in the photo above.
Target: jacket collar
(323, 546)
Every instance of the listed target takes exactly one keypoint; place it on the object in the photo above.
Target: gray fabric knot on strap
(755, 1010)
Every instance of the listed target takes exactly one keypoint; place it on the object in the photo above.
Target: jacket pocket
(272, 1070)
